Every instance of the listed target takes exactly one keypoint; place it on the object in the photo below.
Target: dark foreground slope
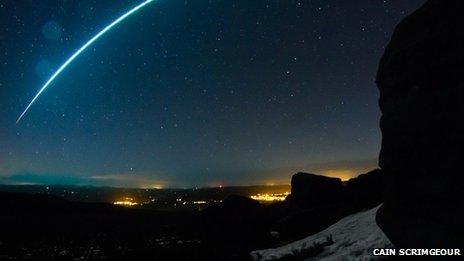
(42, 227)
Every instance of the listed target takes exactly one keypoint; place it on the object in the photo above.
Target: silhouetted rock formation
(316, 202)
(422, 103)
(310, 190)
(366, 190)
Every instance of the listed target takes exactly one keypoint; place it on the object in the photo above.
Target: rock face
(366, 190)
(422, 102)
(318, 201)
(310, 190)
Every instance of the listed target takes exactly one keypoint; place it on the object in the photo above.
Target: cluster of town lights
(266, 197)
(127, 202)
(270, 197)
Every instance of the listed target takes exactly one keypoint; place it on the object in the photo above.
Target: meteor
(87, 44)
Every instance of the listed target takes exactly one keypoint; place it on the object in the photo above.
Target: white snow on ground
(353, 238)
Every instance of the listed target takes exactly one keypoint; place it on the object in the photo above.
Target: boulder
(366, 190)
(317, 202)
(310, 190)
(422, 104)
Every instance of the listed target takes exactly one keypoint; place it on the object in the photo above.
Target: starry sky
(192, 93)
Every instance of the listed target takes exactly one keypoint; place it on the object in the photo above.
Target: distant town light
(270, 197)
(126, 201)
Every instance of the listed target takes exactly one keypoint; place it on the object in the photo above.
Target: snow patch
(352, 238)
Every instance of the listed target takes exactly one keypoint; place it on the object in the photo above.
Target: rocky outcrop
(422, 103)
(366, 190)
(316, 202)
(310, 190)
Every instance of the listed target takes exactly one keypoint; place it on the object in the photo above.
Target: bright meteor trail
(87, 44)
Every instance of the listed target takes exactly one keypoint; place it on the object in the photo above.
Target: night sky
(191, 93)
